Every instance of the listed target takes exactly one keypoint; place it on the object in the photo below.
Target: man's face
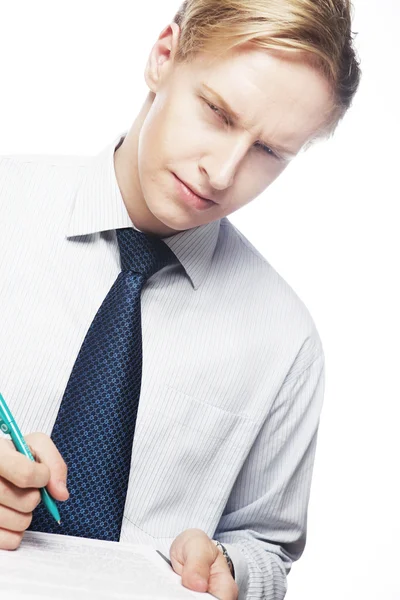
(227, 155)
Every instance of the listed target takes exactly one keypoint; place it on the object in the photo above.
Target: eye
(218, 112)
(221, 115)
(266, 149)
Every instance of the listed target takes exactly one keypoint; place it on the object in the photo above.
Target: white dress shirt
(233, 367)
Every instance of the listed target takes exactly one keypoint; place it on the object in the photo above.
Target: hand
(202, 566)
(20, 479)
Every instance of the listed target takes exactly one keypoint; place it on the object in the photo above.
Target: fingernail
(61, 486)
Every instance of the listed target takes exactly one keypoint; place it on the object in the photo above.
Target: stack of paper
(69, 568)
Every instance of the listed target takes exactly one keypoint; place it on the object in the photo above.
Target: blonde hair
(319, 28)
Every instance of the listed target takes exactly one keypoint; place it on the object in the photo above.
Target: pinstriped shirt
(233, 367)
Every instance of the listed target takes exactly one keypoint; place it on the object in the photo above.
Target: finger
(10, 540)
(13, 520)
(221, 583)
(46, 453)
(224, 589)
(195, 576)
(199, 555)
(23, 500)
(20, 470)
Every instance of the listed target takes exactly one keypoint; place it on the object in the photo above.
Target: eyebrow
(234, 117)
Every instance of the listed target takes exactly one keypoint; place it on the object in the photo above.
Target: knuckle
(31, 500)
(196, 566)
(6, 495)
(10, 540)
(38, 442)
(16, 538)
(22, 522)
(26, 475)
(37, 437)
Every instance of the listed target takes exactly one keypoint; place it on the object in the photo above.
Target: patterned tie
(96, 421)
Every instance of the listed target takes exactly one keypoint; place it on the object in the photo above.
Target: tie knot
(142, 253)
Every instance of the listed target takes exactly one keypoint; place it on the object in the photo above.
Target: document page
(69, 568)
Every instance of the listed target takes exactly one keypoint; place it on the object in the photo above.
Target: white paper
(69, 568)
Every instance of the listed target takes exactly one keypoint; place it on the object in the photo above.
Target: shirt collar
(99, 207)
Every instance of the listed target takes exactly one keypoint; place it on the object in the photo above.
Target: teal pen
(9, 426)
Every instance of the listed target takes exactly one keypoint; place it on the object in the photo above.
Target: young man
(225, 357)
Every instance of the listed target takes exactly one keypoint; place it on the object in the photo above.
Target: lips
(192, 189)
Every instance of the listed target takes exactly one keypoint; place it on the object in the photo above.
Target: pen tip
(59, 522)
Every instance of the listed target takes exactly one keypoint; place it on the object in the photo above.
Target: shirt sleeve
(264, 523)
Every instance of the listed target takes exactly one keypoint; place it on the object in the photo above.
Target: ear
(162, 56)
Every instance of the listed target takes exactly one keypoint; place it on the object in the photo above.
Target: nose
(222, 163)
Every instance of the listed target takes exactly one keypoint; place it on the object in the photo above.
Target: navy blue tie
(96, 420)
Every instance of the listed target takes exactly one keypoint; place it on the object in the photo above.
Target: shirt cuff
(241, 569)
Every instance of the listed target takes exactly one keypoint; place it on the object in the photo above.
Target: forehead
(277, 95)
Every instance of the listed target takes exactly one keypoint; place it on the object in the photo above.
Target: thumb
(199, 555)
(45, 452)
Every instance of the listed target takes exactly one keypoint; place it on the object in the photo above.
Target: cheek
(255, 176)
(169, 135)
(263, 171)
(152, 139)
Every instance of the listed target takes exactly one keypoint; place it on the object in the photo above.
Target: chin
(168, 210)
(175, 223)
(172, 217)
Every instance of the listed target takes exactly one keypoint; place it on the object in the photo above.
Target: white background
(72, 79)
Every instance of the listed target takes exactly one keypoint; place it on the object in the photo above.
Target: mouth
(191, 197)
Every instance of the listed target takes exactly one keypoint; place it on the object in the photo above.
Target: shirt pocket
(186, 457)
